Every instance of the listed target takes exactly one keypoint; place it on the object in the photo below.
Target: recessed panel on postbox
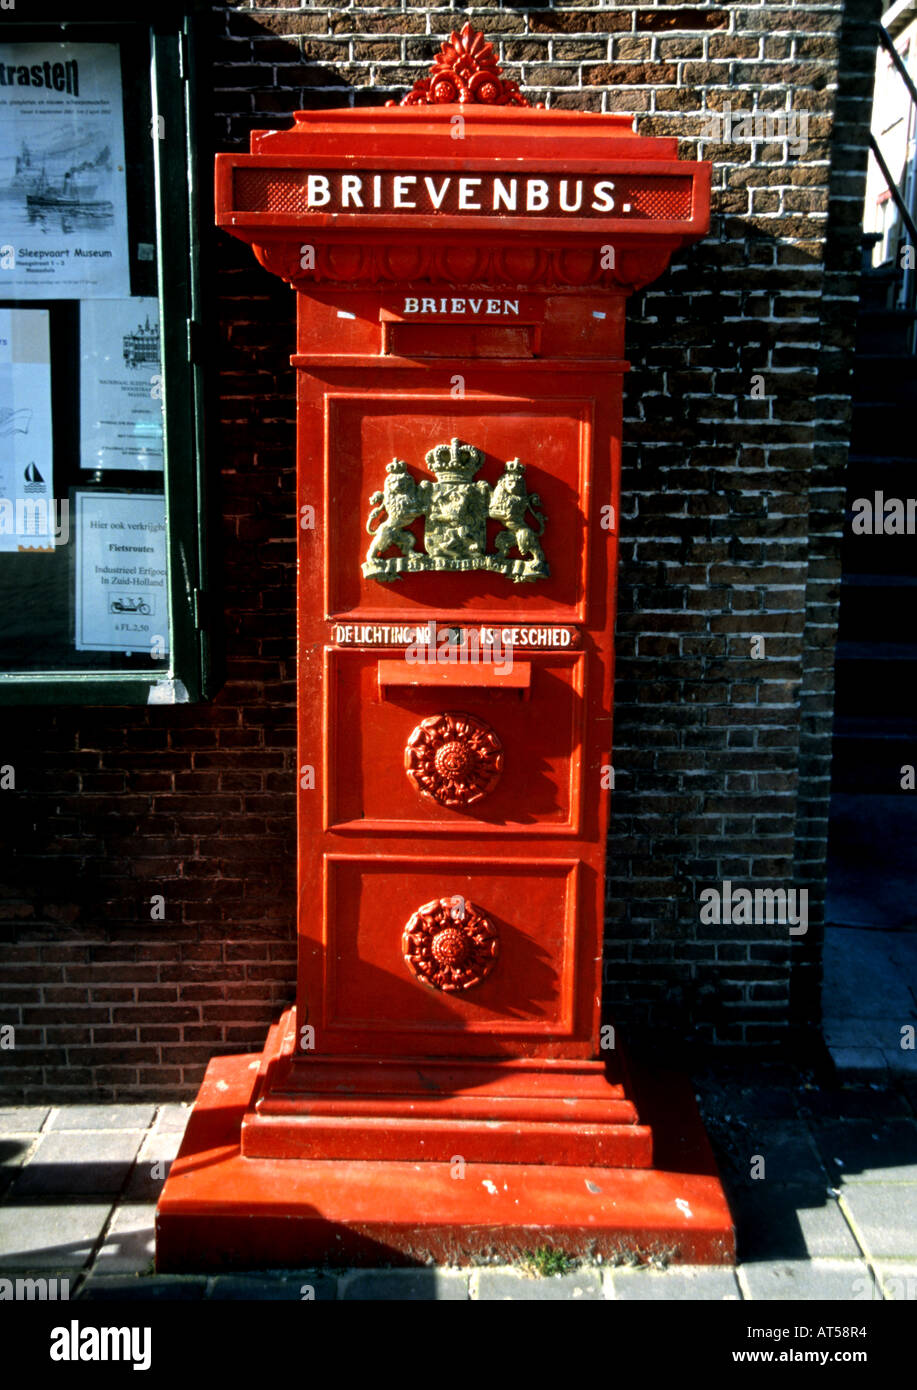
(456, 688)
(477, 507)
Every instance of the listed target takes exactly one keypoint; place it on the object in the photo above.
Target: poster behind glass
(63, 201)
(121, 593)
(27, 516)
(120, 385)
(83, 575)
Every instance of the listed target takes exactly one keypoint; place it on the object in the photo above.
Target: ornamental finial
(465, 71)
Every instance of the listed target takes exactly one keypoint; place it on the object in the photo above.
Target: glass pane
(83, 531)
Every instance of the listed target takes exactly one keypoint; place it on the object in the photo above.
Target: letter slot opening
(398, 675)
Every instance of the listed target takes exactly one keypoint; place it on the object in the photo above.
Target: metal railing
(906, 272)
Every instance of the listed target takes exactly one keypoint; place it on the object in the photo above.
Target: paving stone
(23, 1119)
(884, 1217)
(789, 1154)
(882, 1031)
(130, 1241)
(868, 1151)
(50, 1235)
(404, 1284)
(788, 1223)
(152, 1167)
(103, 1117)
(749, 1102)
(683, 1282)
(70, 1162)
(13, 1154)
(768, 1075)
(908, 1089)
(859, 1061)
(869, 889)
(901, 1062)
(856, 1103)
(584, 1285)
(842, 1281)
(172, 1117)
(898, 1279)
(164, 1288)
(251, 1288)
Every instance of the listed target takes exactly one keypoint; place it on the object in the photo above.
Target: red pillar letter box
(461, 264)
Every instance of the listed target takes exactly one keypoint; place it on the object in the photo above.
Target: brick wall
(732, 508)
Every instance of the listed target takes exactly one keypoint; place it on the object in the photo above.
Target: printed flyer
(121, 589)
(120, 385)
(63, 204)
(27, 521)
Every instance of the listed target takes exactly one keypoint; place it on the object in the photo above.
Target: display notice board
(81, 378)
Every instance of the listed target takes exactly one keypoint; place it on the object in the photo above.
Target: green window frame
(183, 204)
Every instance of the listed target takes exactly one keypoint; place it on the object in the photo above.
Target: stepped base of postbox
(221, 1209)
(514, 1110)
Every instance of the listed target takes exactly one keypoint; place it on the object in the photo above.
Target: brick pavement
(822, 1183)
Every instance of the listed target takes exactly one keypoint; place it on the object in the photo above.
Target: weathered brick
(629, 74)
(580, 21)
(681, 18)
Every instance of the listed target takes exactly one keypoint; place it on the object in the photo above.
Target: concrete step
(870, 860)
(891, 556)
(877, 607)
(875, 678)
(887, 422)
(883, 376)
(872, 764)
(884, 330)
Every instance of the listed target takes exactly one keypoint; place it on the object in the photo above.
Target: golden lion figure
(403, 503)
(509, 504)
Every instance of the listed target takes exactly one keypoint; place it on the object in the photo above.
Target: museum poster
(63, 206)
(120, 385)
(121, 592)
(26, 465)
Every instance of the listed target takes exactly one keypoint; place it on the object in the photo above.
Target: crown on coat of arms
(455, 462)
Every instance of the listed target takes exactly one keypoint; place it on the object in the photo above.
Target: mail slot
(461, 266)
(482, 677)
(465, 340)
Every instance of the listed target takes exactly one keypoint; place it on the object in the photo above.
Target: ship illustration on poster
(27, 171)
(14, 421)
(26, 436)
(141, 347)
(72, 194)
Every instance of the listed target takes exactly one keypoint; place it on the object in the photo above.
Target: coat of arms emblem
(455, 510)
